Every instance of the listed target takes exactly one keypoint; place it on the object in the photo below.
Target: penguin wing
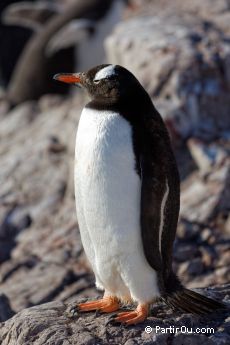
(69, 35)
(159, 198)
(29, 14)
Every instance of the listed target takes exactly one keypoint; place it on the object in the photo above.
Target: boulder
(183, 62)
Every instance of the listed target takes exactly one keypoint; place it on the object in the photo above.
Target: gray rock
(131, 342)
(207, 256)
(44, 284)
(184, 253)
(202, 199)
(206, 234)
(160, 339)
(206, 156)
(51, 323)
(187, 230)
(221, 339)
(190, 339)
(180, 66)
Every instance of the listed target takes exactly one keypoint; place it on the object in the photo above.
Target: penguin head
(104, 83)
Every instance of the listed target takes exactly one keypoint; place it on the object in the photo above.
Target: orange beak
(69, 78)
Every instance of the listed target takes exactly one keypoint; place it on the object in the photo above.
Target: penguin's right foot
(107, 304)
(132, 317)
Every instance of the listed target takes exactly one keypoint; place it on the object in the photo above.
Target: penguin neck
(132, 106)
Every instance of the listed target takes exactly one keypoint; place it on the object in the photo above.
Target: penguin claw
(112, 316)
(128, 318)
(97, 312)
(73, 311)
(110, 319)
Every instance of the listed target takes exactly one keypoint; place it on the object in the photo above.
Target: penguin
(66, 39)
(127, 191)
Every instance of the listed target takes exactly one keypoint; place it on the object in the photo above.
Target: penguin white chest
(108, 191)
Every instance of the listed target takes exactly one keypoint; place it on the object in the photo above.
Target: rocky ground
(182, 57)
(52, 323)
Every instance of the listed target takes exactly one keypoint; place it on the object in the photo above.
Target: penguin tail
(192, 302)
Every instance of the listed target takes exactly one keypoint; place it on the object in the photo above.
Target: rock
(55, 146)
(187, 230)
(185, 339)
(52, 322)
(224, 260)
(45, 282)
(130, 342)
(223, 339)
(206, 234)
(17, 119)
(160, 339)
(4, 105)
(186, 252)
(5, 309)
(222, 274)
(206, 156)
(227, 225)
(49, 101)
(227, 325)
(202, 200)
(208, 256)
(195, 267)
(183, 68)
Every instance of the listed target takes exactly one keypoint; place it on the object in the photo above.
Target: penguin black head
(104, 83)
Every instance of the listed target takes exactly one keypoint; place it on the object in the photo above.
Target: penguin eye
(97, 81)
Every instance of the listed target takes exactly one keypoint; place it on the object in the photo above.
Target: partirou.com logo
(181, 329)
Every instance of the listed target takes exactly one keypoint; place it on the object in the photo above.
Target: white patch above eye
(105, 72)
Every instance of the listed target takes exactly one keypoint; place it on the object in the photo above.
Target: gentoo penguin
(84, 25)
(127, 197)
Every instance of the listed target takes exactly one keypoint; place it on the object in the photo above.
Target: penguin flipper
(69, 35)
(159, 195)
(151, 192)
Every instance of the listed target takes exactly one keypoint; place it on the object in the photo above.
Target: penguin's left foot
(107, 304)
(132, 317)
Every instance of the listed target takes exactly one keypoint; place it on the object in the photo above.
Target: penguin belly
(108, 193)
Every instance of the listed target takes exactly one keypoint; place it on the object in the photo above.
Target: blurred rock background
(180, 51)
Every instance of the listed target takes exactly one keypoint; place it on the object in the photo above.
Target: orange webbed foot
(107, 304)
(133, 317)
